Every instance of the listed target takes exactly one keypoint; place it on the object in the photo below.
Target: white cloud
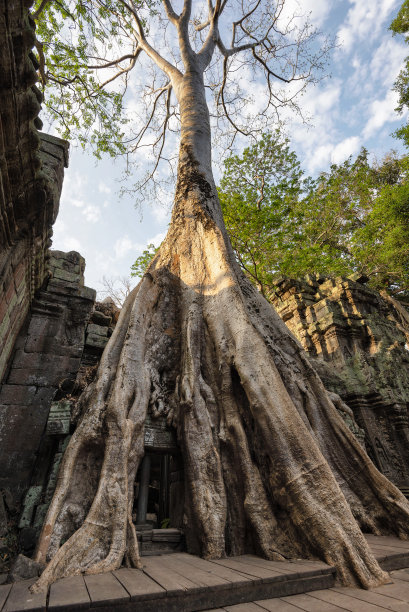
(318, 157)
(92, 213)
(71, 244)
(122, 246)
(103, 188)
(318, 101)
(157, 239)
(75, 202)
(62, 241)
(381, 112)
(161, 211)
(365, 18)
(387, 61)
(125, 245)
(317, 10)
(344, 149)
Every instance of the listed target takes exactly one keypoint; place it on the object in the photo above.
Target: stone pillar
(143, 490)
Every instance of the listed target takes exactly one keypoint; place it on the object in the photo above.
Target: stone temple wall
(46, 359)
(358, 340)
(31, 172)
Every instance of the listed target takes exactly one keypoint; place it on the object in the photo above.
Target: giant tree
(269, 463)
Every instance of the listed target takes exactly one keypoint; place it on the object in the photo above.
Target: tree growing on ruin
(269, 464)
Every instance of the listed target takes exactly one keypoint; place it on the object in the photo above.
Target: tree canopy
(400, 25)
(88, 49)
(353, 218)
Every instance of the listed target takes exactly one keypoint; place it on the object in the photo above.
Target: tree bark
(270, 465)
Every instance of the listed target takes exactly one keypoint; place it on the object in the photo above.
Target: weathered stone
(46, 361)
(101, 319)
(97, 330)
(32, 498)
(17, 394)
(58, 423)
(25, 568)
(71, 277)
(96, 341)
(3, 517)
(356, 340)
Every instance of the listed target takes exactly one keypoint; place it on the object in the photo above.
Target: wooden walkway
(388, 597)
(183, 583)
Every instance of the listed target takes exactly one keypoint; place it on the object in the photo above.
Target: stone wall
(358, 341)
(31, 172)
(45, 362)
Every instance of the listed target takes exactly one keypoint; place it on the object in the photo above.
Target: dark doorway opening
(152, 491)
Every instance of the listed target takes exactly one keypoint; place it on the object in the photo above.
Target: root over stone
(270, 465)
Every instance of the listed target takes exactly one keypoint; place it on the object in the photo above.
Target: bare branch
(161, 91)
(172, 16)
(135, 15)
(115, 62)
(122, 71)
(172, 72)
(40, 9)
(221, 97)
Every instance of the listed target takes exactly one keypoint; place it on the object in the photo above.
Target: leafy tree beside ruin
(400, 25)
(353, 218)
(269, 464)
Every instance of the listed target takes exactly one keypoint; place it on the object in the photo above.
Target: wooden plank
(380, 549)
(291, 569)
(388, 540)
(4, 591)
(319, 565)
(69, 592)
(171, 581)
(194, 574)
(105, 589)
(402, 574)
(278, 605)
(255, 571)
(232, 576)
(374, 598)
(346, 601)
(245, 607)
(307, 603)
(138, 584)
(393, 562)
(20, 598)
(398, 590)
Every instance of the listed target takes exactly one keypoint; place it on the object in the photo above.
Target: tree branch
(172, 16)
(40, 9)
(169, 69)
(130, 56)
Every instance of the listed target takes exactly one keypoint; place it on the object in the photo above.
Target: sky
(352, 108)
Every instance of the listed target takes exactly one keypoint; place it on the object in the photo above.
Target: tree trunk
(270, 465)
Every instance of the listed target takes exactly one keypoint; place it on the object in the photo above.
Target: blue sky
(354, 107)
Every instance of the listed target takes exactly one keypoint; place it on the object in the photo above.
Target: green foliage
(142, 262)
(400, 25)
(72, 37)
(257, 195)
(354, 218)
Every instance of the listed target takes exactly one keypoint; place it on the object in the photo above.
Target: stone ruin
(52, 334)
(358, 341)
